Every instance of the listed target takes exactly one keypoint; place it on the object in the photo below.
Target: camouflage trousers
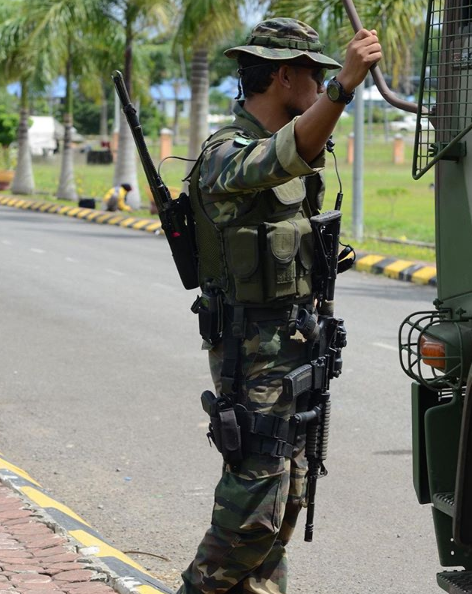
(256, 507)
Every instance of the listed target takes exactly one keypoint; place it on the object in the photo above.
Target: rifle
(176, 215)
(327, 336)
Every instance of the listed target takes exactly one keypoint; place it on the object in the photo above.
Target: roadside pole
(358, 168)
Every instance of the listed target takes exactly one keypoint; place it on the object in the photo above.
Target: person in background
(115, 198)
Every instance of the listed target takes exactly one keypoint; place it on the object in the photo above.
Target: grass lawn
(395, 206)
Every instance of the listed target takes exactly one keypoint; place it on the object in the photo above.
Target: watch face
(333, 91)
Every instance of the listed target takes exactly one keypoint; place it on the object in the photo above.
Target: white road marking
(382, 345)
(6, 242)
(71, 260)
(116, 272)
(37, 251)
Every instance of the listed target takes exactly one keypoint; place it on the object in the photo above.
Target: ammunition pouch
(270, 262)
(238, 433)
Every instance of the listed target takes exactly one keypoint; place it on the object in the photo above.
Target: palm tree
(71, 28)
(396, 21)
(18, 55)
(204, 23)
(137, 19)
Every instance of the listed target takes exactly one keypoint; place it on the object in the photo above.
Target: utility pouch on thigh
(224, 429)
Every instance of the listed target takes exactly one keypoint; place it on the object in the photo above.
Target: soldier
(253, 189)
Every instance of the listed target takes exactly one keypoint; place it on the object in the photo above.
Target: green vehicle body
(440, 394)
(436, 346)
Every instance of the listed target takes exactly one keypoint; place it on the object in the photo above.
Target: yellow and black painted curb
(86, 214)
(406, 270)
(125, 575)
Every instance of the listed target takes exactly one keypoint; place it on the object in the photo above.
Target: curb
(405, 270)
(86, 214)
(124, 575)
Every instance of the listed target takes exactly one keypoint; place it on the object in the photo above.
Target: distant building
(170, 93)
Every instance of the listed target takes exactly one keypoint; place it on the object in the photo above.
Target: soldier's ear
(283, 76)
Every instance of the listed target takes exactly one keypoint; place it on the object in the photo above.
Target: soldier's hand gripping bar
(176, 215)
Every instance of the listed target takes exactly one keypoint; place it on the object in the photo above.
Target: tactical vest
(265, 256)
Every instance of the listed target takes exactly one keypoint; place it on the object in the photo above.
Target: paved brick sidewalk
(36, 560)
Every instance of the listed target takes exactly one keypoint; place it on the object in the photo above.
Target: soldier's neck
(267, 112)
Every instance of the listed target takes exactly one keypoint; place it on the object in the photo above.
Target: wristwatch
(337, 94)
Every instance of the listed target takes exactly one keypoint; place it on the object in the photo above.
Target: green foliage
(86, 115)
(219, 103)
(8, 127)
(8, 102)
(204, 23)
(152, 120)
(391, 195)
(8, 131)
(399, 23)
(220, 65)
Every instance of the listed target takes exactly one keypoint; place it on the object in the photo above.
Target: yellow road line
(424, 275)
(153, 227)
(92, 215)
(393, 270)
(16, 470)
(102, 217)
(104, 549)
(44, 501)
(367, 262)
(115, 220)
(127, 221)
(141, 224)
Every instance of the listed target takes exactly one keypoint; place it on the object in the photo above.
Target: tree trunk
(66, 188)
(125, 167)
(104, 136)
(199, 104)
(23, 182)
(175, 125)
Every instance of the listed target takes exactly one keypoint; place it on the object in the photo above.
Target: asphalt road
(100, 379)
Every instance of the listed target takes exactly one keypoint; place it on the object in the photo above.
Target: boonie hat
(284, 39)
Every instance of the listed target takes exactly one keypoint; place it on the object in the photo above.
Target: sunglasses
(317, 74)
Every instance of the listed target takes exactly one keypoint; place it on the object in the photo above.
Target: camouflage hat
(284, 39)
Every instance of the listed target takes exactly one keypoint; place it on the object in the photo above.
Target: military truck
(436, 346)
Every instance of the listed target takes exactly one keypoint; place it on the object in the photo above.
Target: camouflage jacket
(234, 172)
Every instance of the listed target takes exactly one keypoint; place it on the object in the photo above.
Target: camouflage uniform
(256, 504)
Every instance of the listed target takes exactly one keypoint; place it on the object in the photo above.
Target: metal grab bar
(377, 75)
